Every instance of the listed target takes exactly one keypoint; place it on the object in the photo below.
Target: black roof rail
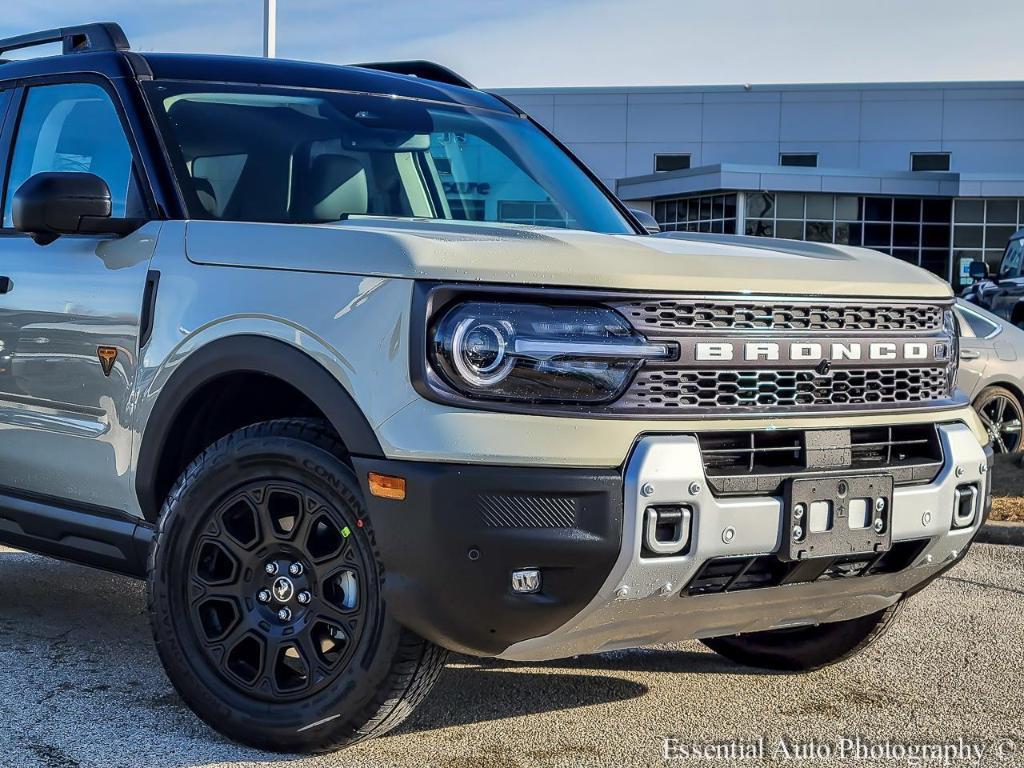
(105, 36)
(425, 70)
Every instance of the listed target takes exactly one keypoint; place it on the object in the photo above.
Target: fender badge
(107, 356)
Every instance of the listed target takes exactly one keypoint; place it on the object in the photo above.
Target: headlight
(952, 328)
(538, 353)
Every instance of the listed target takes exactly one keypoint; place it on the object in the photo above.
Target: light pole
(269, 28)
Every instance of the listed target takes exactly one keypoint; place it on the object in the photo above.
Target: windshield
(247, 153)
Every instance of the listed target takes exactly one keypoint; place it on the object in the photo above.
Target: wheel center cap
(283, 588)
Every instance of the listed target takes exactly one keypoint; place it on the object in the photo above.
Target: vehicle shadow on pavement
(668, 660)
(469, 692)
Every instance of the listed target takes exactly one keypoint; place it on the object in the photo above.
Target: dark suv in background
(1001, 293)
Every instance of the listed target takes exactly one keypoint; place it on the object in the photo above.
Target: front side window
(264, 154)
(73, 127)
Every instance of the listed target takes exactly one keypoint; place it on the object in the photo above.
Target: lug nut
(295, 569)
(303, 598)
(284, 614)
(960, 471)
(264, 596)
(728, 534)
(926, 518)
(270, 568)
(694, 489)
(647, 489)
(879, 525)
(622, 592)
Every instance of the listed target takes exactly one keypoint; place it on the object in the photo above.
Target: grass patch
(1007, 490)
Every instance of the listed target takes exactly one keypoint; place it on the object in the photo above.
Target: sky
(537, 43)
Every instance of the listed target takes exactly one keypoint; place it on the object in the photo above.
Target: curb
(998, 532)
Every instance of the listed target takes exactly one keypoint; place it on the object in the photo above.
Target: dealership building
(932, 173)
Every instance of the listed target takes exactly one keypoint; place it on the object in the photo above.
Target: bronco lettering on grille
(742, 352)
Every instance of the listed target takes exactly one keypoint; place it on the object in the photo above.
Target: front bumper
(449, 548)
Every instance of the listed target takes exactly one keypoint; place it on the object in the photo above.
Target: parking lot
(81, 686)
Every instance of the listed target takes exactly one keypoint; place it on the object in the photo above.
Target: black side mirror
(978, 270)
(51, 204)
(647, 221)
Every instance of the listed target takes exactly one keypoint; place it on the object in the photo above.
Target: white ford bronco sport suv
(358, 365)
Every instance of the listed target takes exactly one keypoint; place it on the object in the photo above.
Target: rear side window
(73, 127)
(980, 327)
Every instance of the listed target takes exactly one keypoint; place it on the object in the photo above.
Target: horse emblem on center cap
(283, 589)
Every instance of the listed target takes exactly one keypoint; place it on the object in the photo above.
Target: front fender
(240, 354)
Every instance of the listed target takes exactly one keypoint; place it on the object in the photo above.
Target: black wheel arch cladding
(245, 354)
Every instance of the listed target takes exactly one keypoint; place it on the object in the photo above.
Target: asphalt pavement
(81, 686)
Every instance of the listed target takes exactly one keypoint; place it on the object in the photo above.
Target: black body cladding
(450, 547)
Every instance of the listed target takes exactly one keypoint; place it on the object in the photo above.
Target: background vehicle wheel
(264, 595)
(803, 649)
(1002, 413)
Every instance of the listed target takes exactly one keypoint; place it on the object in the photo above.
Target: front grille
(759, 461)
(735, 574)
(658, 389)
(712, 315)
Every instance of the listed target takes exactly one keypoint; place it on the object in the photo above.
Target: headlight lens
(538, 353)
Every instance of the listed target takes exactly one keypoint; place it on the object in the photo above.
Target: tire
(338, 669)
(1001, 411)
(803, 649)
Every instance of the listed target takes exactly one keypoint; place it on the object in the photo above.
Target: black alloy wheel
(276, 590)
(265, 596)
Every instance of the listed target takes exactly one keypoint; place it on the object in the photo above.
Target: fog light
(965, 506)
(526, 581)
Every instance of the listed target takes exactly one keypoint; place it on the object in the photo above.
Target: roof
(247, 69)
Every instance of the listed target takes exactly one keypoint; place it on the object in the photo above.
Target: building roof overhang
(844, 181)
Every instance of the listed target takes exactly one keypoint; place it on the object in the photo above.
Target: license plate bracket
(837, 516)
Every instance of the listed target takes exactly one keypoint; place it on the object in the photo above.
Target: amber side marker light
(386, 486)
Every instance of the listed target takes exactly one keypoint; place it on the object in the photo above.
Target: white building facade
(932, 173)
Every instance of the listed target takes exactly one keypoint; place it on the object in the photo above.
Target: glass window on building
(706, 213)
(799, 159)
(981, 230)
(534, 213)
(913, 229)
(671, 162)
(929, 161)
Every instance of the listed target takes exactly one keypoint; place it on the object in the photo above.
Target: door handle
(969, 354)
(6, 285)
